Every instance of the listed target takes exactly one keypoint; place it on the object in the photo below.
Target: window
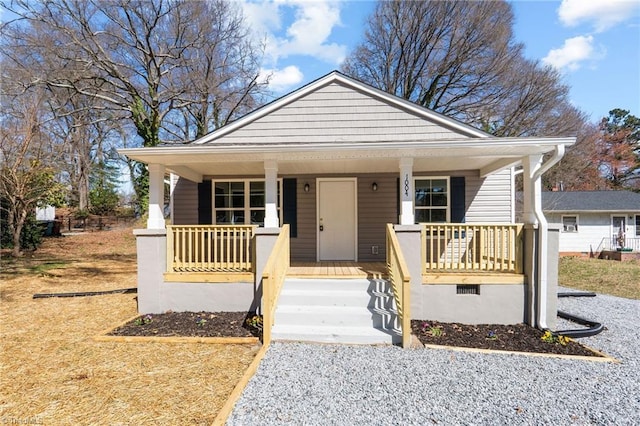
(570, 223)
(638, 225)
(432, 199)
(241, 202)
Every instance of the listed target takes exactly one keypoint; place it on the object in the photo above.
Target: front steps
(357, 311)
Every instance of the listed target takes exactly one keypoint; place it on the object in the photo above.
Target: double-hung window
(638, 225)
(432, 199)
(241, 202)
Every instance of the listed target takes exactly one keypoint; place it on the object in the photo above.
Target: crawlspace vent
(467, 289)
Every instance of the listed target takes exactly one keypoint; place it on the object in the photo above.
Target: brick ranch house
(338, 179)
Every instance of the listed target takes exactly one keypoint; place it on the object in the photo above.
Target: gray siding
(303, 247)
(185, 203)
(375, 210)
(489, 199)
(336, 113)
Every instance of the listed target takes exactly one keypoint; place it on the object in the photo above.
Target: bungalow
(339, 183)
(594, 221)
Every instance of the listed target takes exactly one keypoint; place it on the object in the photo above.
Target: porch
(449, 253)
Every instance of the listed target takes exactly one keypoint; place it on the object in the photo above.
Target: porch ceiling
(485, 155)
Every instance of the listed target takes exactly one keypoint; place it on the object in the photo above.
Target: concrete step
(358, 311)
(346, 284)
(348, 292)
(313, 315)
(328, 334)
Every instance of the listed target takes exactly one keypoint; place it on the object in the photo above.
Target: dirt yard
(53, 372)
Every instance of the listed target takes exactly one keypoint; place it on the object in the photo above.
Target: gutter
(543, 228)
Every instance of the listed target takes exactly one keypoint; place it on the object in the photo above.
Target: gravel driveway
(304, 384)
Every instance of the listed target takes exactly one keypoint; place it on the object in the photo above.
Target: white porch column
(271, 219)
(407, 216)
(156, 197)
(532, 188)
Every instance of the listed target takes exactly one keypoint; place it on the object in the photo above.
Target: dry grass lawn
(620, 279)
(53, 372)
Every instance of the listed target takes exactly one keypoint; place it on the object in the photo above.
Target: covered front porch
(339, 171)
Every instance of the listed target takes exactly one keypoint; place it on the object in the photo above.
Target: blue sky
(595, 44)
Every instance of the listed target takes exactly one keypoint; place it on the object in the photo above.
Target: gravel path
(304, 384)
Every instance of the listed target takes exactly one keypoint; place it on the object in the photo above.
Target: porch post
(271, 219)
(407, 216)
(156, 197)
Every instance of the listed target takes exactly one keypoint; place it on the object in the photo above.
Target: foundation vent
(468, 289)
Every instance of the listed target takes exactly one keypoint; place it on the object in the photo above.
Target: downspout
(543, 228)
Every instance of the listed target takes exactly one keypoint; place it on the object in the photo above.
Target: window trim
(637, 224)
(577, 225)
(247, 199)
(448, 206)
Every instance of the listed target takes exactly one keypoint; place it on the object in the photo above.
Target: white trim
(355, 212)
(448, 206)
(540, 144)
(247, 198)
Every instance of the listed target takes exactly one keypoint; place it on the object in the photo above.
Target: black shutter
(458, 205)
(205, 206)
(398, 199)
(290, 205)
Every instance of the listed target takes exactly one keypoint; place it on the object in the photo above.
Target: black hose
(85, 293)
(577, 294)
(593, 327)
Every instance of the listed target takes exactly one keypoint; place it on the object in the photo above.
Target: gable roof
(461, 130)
(339, 125)
(591, 201)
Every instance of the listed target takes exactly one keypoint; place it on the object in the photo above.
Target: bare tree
(218, 75)
(134, 57)
(27, 175)
(446, 56)
(578, 169)
(460, 59)
(535, 103)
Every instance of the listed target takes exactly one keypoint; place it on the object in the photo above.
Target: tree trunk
(20, 219)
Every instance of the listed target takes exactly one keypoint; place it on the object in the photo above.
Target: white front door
(337, 213)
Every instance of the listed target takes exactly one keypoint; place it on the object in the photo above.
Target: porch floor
(337, 269)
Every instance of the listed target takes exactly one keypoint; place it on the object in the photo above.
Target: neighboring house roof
(590, 201)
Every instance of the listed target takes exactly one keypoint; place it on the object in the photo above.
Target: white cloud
(306, 34)
(574, 53)
(281, 80)
(602, 14)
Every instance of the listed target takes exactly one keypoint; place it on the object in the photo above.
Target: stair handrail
(273, 277)
(400, 283)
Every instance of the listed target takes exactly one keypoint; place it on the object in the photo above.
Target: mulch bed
(517, 338)
(189, 324)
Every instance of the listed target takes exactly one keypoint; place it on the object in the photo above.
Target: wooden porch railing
(400, 282)
(210, 248)
(273, 277)
(474, 247)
